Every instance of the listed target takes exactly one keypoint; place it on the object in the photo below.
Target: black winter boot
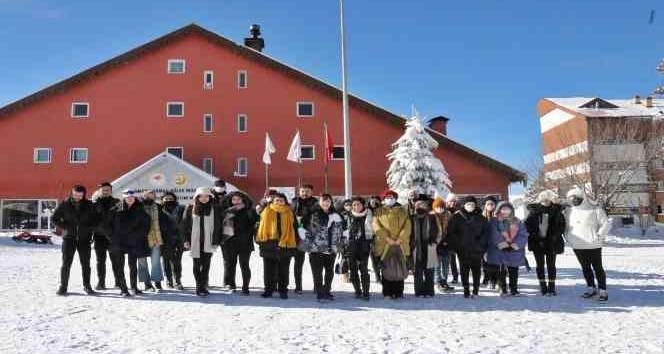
(149, 287)
(543, 289)
(88, 289)
(62, 291)
(551, 291)
(466, 292)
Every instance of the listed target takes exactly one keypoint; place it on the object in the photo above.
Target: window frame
(297, 109)
(237, 167)
(313, 152)
(206, 85)
(71, 155)
(175, 147)
(35, 153)
(184, 66)
(246, 123)
(205, 116)
(73, 109)
(246, 79)
(209, 160)
(168, 104)
(337, 158)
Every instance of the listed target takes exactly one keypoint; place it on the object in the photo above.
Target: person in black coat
(103, 201)
(423, 242)
(174, 247)
(546, 224)
(302, 205)
(128, 224)
(77, 218)
(239, 228)
(469, 231)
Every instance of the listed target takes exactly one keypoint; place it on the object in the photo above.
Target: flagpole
(267, 176)
(344, 85)
(327, 158)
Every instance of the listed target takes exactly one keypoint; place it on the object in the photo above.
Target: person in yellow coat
(391, 224)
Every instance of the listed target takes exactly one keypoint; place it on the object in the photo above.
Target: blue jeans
(155, 273)
(441, 272)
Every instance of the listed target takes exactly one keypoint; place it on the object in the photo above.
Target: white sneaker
(603, 296)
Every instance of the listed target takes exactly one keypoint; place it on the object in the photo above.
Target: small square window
(242, 167)
(80, 110)
(208, 80)
(305, 109)
(338, 152)
(42, 155)
(78, 155)
(176, 66)
(242, 123)
(307, 152)
(208, 165)
(208, 125)
(242, 79)
(177, 151)
(175, 109)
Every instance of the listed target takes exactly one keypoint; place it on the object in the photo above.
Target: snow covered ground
(34, 320)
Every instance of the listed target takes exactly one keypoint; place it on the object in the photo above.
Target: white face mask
(219, 189)
(348, 208)
(440, 210)
(469, 208)
(389, 201)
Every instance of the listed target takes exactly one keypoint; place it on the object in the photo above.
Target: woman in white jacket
(587, 226)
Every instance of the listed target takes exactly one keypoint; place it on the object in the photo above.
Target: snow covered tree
(414, 166)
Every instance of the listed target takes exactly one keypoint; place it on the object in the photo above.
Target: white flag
(269, 149)
(294, 153)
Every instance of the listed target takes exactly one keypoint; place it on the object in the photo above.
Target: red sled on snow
(33, 238)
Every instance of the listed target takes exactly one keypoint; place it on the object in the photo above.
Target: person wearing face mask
(424, 240)
(172, 252)
(219, 192)
(546, 226)
(103, 202)
(587, 226)
(265, 201)
(277, 241)
(239, 228)
(470, 232)
(156, 236)
(452, 205)
(507, 247)
(357, 238)
(77, 217)
(443, 249)
(303, 204)
(201, 228)
(392, 227)
(322, 231)
(490, 273)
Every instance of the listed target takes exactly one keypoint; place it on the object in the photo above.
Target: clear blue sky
(484, 64)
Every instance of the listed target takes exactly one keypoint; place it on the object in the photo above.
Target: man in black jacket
(103, 201)
(77, 217)
(302, 205)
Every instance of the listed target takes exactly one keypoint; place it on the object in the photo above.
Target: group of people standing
(424, 237)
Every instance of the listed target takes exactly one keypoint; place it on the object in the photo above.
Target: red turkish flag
(328, 146)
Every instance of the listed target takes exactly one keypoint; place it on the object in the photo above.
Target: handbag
(341, 264)
(394, 264)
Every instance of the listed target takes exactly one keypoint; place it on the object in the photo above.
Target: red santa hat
(389, 193)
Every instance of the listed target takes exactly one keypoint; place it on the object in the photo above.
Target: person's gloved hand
(515, 247)
(503, 246)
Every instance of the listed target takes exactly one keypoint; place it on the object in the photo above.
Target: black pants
(423, 281)
(322, 263)
(101, 249)
(513, 273)
(359, 274)
(297, 268)
(275, 273)
(453, 266)
(550, 259)
(393, 288)
(471, 263)
(591, 260)
(202, 270)
(69, 248)
(172, 261)
(231, 258)
(118, 262)
(375, 264)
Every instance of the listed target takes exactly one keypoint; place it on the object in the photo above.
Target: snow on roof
(626, 107)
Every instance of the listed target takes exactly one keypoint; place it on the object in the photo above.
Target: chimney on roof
(439, 124)
(255, 41)
(649, 101)
(637, 99)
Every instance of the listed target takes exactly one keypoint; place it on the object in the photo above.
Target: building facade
(210, 101)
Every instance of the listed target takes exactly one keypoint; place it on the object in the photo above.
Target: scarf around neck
(268, 229)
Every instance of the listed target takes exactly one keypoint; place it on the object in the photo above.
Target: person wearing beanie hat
(77, 217)
(443, 249)
(201, 226)
(490, 272)
(587, 226)
(303, 204)
(392, 228)
(469, 231)
(173, 249)
(103, 204)
(546, 225)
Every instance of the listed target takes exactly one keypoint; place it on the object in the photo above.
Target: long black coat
(245, 221)
(77, 223)
(468, 233)
(129, 228)
(553, 242)
(187, 224)
(427, 235)
(103, 207)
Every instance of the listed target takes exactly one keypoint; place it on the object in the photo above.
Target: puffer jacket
(514, 255)
(587, 226)
(552, 242)
(359, 234)
(77, 222)
(324, 230)
(129, 227)
(393, 223)
(469, 233)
